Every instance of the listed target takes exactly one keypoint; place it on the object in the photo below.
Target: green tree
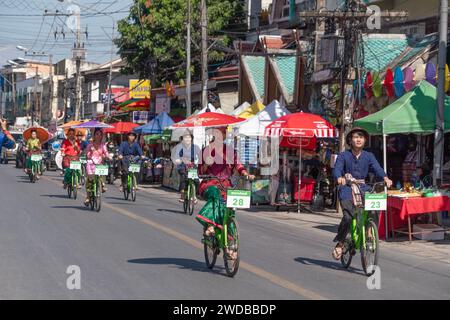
(155, 31)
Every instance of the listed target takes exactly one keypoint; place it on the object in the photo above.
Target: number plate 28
(375, 202)
(238, 199)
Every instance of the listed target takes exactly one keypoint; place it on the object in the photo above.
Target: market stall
(301, 130)
(414, 112)
(248, 132)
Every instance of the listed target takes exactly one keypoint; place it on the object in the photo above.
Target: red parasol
(121, 127)
(302, 125)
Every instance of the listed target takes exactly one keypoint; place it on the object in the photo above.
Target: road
(151, 250)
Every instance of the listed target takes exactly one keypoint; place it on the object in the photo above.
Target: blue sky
(22, 23)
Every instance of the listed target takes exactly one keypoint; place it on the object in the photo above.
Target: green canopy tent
(414, 112)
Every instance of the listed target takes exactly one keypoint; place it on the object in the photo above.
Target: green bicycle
(363, 234)
(190, 192)
(35, 166)
(226, 237)
(72, 188)
(83, 162)
(95, 190)
(133, 170)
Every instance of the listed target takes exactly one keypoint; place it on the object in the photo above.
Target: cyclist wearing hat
(128, 148)
(357, 163)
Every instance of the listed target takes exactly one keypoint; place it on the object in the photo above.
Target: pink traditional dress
(95, 157)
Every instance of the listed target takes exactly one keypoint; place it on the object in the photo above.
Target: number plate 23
(375, 202)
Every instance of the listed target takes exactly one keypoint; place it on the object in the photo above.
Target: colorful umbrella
(134, 105)
(122, 127)
(70, 124)
(42, 134)
(301, 125)
(207, 119)
(93, 124)
(157, 125)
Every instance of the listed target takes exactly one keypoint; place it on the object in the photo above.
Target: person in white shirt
(185, 156)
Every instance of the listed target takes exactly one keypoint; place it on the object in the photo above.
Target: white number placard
(375, 202)
(101, 170)
(192, 174)
(238, 199)
(75, 165)
(135, 168)
(36, 157)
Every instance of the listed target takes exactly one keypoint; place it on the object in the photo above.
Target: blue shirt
(346, 162)
(126, 149)
(5, 142)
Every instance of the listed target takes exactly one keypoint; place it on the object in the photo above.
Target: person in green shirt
(33, 146)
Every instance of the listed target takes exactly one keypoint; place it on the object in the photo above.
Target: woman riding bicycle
(96, 153)
(217, 166)
(357, 163)
(70, 151)
(33, 145)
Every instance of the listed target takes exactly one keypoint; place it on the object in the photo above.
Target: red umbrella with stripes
(302, 126)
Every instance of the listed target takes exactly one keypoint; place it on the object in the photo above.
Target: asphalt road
(151, 250)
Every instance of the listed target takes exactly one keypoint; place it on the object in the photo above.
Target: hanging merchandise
(430, 73)
(368, 85)
(398, 82)
(447, 78)
(389, 83)
(377, 86)
(408, 79)
(419, 73)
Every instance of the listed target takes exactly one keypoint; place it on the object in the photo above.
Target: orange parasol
(42, 134)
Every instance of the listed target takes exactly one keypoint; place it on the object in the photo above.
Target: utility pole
(77, 54)
(34, 104)
(439, 133)
(66, 111)
(14, 95)
(349, 20)
(108, 109)
(204, 27)
(188, 63)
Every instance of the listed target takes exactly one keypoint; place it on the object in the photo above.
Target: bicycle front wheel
(347, 252)
(133, 188)
(211, 250)
(232, 257)
(369, 252)
(191, 202)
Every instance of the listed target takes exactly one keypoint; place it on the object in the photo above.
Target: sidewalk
(327, 223)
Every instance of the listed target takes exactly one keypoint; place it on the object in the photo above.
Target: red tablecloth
(400, 208)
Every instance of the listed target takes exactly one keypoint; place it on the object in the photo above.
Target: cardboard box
(429, 232)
